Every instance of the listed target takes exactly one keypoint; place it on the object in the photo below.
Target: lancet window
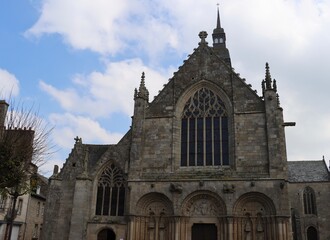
(204, 130)
(111, 192)
(309, 201)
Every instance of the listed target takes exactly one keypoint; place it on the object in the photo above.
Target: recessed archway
(106, 234)
(312, 233)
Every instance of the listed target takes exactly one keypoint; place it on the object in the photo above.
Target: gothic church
(205, 160)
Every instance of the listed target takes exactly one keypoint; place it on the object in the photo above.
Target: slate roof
(308, 171)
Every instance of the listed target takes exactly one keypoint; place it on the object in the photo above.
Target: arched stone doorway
(255, 218)
(106, 234)
(204, 215)
(312, 233)
(154, 219)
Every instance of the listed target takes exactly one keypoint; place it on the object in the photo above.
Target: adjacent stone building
(206, 159)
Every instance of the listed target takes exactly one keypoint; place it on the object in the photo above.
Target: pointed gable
(204, 64)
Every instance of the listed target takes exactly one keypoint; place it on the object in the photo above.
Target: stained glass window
(204, 130)
(110, 197)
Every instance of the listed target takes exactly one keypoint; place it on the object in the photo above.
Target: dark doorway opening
(312, 233)
(202, 231)
(106, 234)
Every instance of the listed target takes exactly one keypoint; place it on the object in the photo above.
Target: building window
(38, 208)
(110, 198)
(36, 231)
(38, 189)
(40, 230)
(42, 209)
(3, 201)
(19, 206)
(204, 131)
(309, 201)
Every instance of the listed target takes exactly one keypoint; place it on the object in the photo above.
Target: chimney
(3, 112)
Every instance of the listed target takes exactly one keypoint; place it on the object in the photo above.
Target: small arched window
(110, 198)
(204, 130)
(312, 233)
(309, 201)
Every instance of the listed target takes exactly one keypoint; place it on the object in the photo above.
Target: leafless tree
(25, 144)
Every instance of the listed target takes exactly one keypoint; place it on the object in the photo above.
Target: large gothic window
(111, 192)
(309, 201)
(204, 131)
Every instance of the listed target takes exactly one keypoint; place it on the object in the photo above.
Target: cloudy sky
(80, 60)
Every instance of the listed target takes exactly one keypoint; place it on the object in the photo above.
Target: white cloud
(101, 93)
(292, 35)
(68, 126)
(84, 24)
(109, 28)
(103, 26)
(9, 84)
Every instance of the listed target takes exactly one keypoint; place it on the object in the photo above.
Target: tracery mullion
(220, 141)
(204, 140)
(195, 141)
(117, 207)
(305, 203)
(212, 142)
(188, 142)
(110, 201)
(309, 202)
(103, 195)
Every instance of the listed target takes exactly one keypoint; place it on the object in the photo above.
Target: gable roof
(308, 171)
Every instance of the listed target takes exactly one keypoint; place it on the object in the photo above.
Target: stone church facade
(206, 159)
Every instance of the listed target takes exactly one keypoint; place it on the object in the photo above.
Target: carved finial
(268, 78)
(263, 85)
(142, 80)
(78, 140)
(143, 91)
(135, 93)
(274, 85)
(55, 171)
(278, 99)
(203, 36)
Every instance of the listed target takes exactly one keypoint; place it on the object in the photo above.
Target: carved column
(130, 234)
(230, 228)
(176, 228)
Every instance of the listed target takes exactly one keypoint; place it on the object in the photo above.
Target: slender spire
(218, 20)
(219, 36)
(219, 40)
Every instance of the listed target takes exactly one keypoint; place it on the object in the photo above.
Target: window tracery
(204, 130)
(111, 192)
(309, 201)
